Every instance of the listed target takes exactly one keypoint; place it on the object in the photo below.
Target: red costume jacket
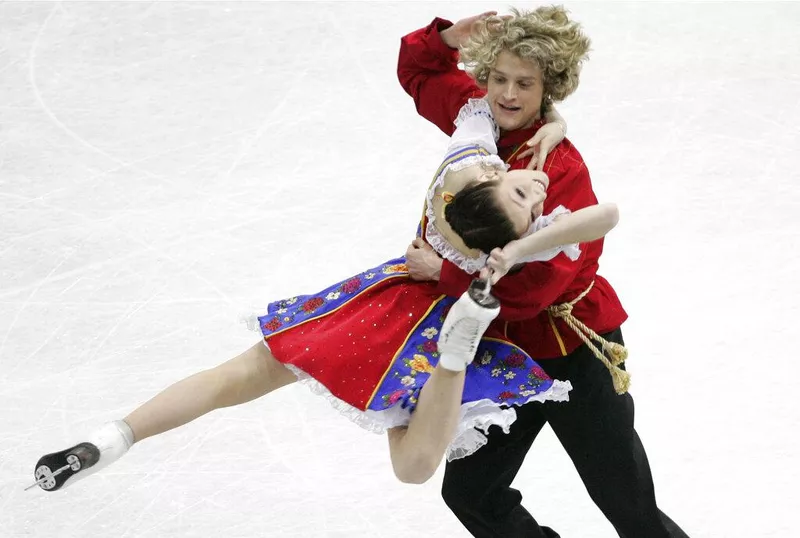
(428, 71)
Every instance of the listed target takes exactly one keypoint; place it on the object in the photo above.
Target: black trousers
(595, 428)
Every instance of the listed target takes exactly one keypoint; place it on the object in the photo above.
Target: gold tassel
(621, 378)
(617, 352)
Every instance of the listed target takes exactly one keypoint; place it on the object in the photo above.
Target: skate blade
(47, 476)
(44, 475)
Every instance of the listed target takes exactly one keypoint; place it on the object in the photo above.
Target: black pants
(595, 428)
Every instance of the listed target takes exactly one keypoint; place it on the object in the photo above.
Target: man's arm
(428, 71)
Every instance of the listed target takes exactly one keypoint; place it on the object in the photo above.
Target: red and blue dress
(368, 343)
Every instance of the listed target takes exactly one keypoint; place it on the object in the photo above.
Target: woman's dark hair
(478, 219)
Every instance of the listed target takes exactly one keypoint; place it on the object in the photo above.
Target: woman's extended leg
(246, 377)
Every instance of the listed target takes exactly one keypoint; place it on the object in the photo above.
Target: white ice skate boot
(103, 447)
(467, 320)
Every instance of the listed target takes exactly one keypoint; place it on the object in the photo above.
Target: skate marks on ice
(165, 165)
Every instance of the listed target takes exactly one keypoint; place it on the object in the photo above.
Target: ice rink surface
(165, 166)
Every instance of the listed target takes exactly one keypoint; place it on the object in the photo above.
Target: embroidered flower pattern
(538, 371)
(498, 364)
(536, 378)
(430, 347)
(392, 398)
(499, 367)
(430, 332)
(514, 360)
(396, 268)
(351, 285)
(512, 367)
(312, 304)
(273, 325)
(304, 307)
(420, 364)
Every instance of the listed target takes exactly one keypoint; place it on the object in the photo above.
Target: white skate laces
(463, 328)
(103, 447)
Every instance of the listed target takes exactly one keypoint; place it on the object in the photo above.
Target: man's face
(514, 91)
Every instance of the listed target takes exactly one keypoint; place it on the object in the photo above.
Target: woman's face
(521, 194)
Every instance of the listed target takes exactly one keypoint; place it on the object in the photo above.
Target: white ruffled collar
(479, 107)
(434, 237)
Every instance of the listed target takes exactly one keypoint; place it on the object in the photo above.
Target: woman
(392, 354)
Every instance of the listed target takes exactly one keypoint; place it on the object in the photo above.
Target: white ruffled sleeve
(475, 126)
(475, 129)
(572, 250)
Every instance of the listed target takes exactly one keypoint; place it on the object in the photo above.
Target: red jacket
(428, 71)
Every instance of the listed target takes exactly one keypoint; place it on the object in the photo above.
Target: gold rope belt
(617, 352)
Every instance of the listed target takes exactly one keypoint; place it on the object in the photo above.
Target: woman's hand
(500, 262)
(546, 138)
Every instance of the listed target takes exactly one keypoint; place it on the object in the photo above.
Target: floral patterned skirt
(369, 344)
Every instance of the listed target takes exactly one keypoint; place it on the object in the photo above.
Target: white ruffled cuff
(572, 250)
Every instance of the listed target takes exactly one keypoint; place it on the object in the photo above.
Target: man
(561, 312)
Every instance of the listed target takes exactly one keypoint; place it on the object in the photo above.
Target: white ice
(163, 166)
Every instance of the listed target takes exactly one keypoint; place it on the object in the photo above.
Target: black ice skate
(105, 446)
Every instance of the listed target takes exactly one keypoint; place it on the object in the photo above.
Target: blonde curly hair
(545, 37)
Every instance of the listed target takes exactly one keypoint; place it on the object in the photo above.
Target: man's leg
(596, 430)
(477, 488)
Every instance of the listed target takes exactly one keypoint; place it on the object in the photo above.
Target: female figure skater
(390, 353)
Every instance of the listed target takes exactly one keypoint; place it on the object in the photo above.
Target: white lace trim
(251, 321)
(482, 414)
(477, 107)
(478, 415)
(450, 253)
(466, 162)
(374, 421)
(432, 234)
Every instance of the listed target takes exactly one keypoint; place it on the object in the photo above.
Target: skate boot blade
(53, 470)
